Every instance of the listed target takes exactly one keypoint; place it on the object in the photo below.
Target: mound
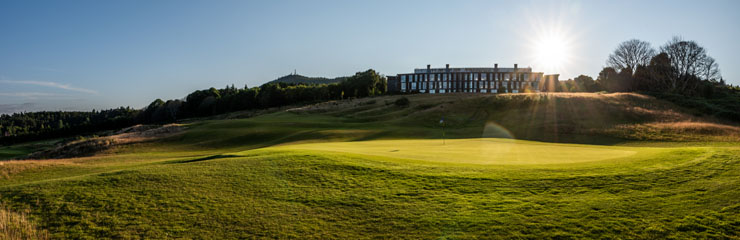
(90, 146)
(552, 117)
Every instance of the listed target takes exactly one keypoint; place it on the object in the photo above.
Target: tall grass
(16, 226)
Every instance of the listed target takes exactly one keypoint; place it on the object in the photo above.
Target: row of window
(466, 90)
(465, 85)
(467, 76)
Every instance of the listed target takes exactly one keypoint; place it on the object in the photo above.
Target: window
(483, 76)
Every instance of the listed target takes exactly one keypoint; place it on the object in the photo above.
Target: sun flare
(552, 42)
(551, 52)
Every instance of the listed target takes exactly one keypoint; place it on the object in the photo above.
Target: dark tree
(607, 78)
(689, 61)
(586, 84)
(630, 54)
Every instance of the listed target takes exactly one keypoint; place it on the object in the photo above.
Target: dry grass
(13, 167)
(15, 225)
(141, 133)
(92, 146)
(678, 131)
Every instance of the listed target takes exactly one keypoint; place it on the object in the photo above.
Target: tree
(710, 70)
(630, 54)
(656, 76)
(689, 61)
(607, 78)
(586, 84)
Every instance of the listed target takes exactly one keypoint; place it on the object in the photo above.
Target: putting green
(494, 151)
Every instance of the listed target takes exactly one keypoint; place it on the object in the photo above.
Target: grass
(21, 150)
(476, 151)
(16, 226)
(359, 171)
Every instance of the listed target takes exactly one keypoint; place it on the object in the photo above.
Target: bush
(402, 102)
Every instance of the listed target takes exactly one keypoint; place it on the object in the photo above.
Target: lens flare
(493, 130)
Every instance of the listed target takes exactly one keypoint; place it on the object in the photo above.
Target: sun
(552, 42)
(551, 52)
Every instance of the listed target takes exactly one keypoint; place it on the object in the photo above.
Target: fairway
(493, 151)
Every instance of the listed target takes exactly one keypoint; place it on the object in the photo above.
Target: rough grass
(327, 172)
(16, 226)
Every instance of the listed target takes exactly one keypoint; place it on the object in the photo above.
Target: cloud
(52, 85)
(32, 95)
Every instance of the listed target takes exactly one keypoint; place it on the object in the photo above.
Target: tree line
(680, 71)
(20, 127)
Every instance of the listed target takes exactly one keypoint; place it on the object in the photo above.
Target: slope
(330, 171)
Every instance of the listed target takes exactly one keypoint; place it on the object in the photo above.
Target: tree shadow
(219, 156)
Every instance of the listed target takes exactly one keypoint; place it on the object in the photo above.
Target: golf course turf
(312, 175)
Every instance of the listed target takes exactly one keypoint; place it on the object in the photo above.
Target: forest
(22, 127)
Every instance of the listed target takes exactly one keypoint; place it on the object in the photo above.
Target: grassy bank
(361, 169)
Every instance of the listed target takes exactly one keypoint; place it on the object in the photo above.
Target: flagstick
(442, 122)
(443, 134)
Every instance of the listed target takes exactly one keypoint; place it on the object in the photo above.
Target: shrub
(402, 102)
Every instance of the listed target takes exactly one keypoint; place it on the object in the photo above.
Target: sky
(84, 55)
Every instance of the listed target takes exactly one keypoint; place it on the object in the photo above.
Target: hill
(295, 78)
(625, 166)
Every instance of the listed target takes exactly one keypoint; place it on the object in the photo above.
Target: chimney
(495, 65)
(515, 66)
(447, 66)
(429, 68)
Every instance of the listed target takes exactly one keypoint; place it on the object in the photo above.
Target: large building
(474, 80)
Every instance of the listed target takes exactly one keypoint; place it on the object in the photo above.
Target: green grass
(379, 171)
(491, 151)
(21, 150)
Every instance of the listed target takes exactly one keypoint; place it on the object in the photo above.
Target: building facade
(472, 80)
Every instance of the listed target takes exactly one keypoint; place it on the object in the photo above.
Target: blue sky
(80, 55)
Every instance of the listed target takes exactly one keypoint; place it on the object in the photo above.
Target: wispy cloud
(52, 85)
(32, 95)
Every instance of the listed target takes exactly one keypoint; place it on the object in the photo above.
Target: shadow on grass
(219, 156)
